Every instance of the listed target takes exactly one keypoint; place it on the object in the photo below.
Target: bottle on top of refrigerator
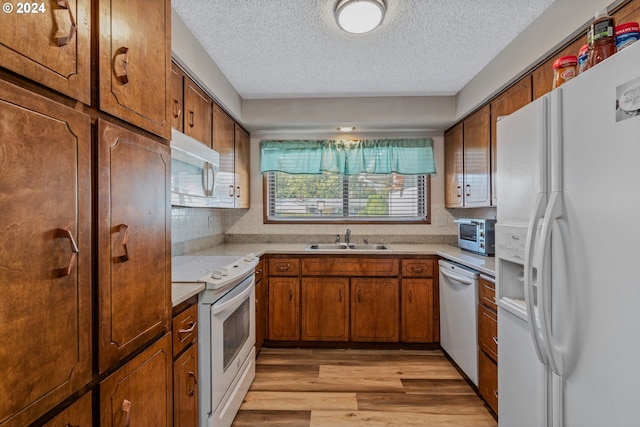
(603, 36)
(583, 58)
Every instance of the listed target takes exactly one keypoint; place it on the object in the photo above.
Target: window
(334, 197)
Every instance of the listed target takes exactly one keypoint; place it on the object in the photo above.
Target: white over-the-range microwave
(196, 180)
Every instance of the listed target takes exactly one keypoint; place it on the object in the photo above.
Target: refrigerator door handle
(553, 213)
(536, 214)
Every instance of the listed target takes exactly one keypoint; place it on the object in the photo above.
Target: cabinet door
(488, 380)
(488, 331)
(134, 241)
(417, 310)
(197, 116)
(47, 48)
(185, 393)
(477, 159)
(325, 309)
(140, 393)
(241, 163)
(284, 309)
(374, 310)
(177, 97)
(223, 143)
(135, 62)
(542, 77)
(453, 167)
(514, 98)
(79, 414)
(45, 254)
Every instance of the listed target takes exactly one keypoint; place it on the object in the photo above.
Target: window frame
(342, 220)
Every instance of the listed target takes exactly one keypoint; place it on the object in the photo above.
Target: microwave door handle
(465, 221)
(207, 169)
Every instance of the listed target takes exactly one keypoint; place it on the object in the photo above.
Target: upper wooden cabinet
(134, 241)
(135, 62)
(224, 143)
(514, 98)
(47, 48)
(45, 273)
(177, 97)
(467, 162)
(241, 167)
(197, 112)
(542, 77)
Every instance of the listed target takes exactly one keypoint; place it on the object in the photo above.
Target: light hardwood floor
(349, 388)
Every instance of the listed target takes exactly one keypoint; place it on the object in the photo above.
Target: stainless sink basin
(363, 247)
(327, 246)
(339, 246)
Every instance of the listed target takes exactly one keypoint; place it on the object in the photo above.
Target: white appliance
(566, 254)
(459, 316)
(226, 332)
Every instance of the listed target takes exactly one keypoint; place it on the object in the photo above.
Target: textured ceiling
(294, 49)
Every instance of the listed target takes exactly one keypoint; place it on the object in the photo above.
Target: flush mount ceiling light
(346, 128)
(359, 16)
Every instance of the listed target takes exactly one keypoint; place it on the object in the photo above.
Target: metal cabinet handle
(459, 191)
(340, 295)
(192, 391)
(410, 296)
(416, 269)
(495, 393)
(177, 110)
(495, 340)
(126, 408)
(71, 425)
(468, 192)
(231, 191)
(65, 23)
(66, 271)
(283, 267)
(359, 296)
(290, 294)
(192, 121)
(237, 191)
(121, 64)
(192, 326)
(124, 229)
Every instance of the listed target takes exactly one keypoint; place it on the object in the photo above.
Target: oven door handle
(222, 305)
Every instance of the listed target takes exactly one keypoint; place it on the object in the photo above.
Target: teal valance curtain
(405, 156)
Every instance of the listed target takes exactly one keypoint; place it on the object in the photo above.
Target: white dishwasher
(459, 316)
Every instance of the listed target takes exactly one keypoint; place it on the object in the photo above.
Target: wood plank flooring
(350, 388)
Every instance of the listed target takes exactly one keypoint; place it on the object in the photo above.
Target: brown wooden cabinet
(48, 48)
(224, 143)
(325, 309)
(241, 167)
(262, 306)
(45, 279)
(468, 161)
(185, 366)
(374, 309)
(511, 100)
(140, 392)
(177, 97)
(134, 242)
(78, 414)
(488, 343)
(284, 308)
(197, 112)
(417, 312)
(134, 62)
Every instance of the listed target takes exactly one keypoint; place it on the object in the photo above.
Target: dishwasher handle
(460, 279)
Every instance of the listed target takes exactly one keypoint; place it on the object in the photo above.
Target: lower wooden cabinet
(487, 343)
(185, 393)
(417, 310)
(374, 309)
(325, 309)
(488, 380)
(76, 415)
(140, 392)
(284, 308)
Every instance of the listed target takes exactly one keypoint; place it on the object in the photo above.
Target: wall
(198, 228)
(250, 227)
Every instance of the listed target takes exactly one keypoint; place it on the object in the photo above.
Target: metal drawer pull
(126, 408)
(70, 425)
(65, 23)
(66, 271)
(124, 228)
(195, 383)
(189, 329)
(417, 269)
(121, 64)
(495, 340)
(495, 393)
(283, 267)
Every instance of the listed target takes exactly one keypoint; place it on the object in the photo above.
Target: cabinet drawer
(488, 380)
(488, 331)
(260, 270)
(360, 266)
(78, 414)
(185, 329)
(487, 293)
(284, 267)
(417, 268)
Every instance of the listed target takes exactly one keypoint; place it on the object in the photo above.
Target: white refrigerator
(567, 257)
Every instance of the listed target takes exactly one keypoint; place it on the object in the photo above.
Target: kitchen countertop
(183, 291)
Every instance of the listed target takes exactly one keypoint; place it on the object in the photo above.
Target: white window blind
(335, 197)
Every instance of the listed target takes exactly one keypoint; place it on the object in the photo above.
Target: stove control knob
(217, 274)
(249, 257)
